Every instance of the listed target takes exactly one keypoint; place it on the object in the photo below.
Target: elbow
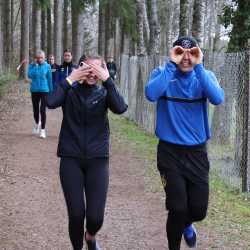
(219, 99)
(149, 95)
(50, 103)
(121, 110)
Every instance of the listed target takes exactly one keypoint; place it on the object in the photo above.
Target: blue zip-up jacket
(182, 116)
(41, 77)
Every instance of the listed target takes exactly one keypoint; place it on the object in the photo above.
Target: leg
(198, 191)
(176, 197)
(35, 103)
(43, 110)
(197, 201)
(96, 187)
(72, 180)
(176, 203)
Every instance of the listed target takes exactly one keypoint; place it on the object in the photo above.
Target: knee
(76, 217)
(94, 224)
(198, 213)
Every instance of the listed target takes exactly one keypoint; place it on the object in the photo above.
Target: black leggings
(186, 195)
(39, 103)
(90, 178)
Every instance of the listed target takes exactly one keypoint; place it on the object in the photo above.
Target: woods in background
(115, 27)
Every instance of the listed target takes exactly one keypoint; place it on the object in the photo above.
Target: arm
(56, 98)
(159, 82)
(209, 84)
(115, 101)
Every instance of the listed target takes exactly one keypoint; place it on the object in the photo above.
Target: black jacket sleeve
(56, 98)
(115, 101)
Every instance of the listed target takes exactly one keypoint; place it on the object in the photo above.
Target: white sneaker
(36, 130)
(43, 134)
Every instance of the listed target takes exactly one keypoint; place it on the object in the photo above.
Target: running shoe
(190, 236)
(43, 134)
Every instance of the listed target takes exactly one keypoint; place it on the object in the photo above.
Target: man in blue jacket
(182, 89)
(41, 84)
(67, 66)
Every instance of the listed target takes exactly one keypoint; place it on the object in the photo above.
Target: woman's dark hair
(85, 57)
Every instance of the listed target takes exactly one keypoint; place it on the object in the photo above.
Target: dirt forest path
(32, 209)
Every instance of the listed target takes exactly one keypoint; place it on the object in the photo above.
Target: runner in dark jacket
(67, 66)
(111, 67)
(84, 145)
(54, 70)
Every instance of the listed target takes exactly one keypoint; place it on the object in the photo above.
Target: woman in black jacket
(84, 145)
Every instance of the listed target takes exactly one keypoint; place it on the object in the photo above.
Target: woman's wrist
(69, 80)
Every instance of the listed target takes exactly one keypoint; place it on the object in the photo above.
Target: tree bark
(76, 30)
(7, 32)
(101, 29)
(58, 6)
(184, 18)
(154, 42)
(49, 32)
(43, 30)
(198, 19)
(24, 47)
(1, 36)
(36, 27)
(65, 24)
(140, 5)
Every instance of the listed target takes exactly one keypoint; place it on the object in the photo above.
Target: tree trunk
(146, 28)
(58, 21)
(7, 32)
(1, 36)
(184, 18)
(65, 24)
(101, 29)
(125, 49)
(43, 30)
(140, 5)
(109, 31)
(24, 47)
(117, 49)
(198, 19)
(176, 19)
(12, 26)
(36, 27)
(76, 30)
(216, 42)
(154, 42)
(49, 32)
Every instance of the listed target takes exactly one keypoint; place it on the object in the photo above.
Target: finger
(97, 67)
(179, 50)
(105, 65)
(97, 73)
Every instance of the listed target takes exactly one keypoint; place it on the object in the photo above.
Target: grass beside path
(5, 80)
(229, 211)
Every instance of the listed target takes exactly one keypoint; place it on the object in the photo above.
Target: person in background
(18, 69)
(111, 67)
(41, 84)
(182, 90)
(67, 66)
(54, 70)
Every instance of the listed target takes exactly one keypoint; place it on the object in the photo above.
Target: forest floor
(32, 208)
